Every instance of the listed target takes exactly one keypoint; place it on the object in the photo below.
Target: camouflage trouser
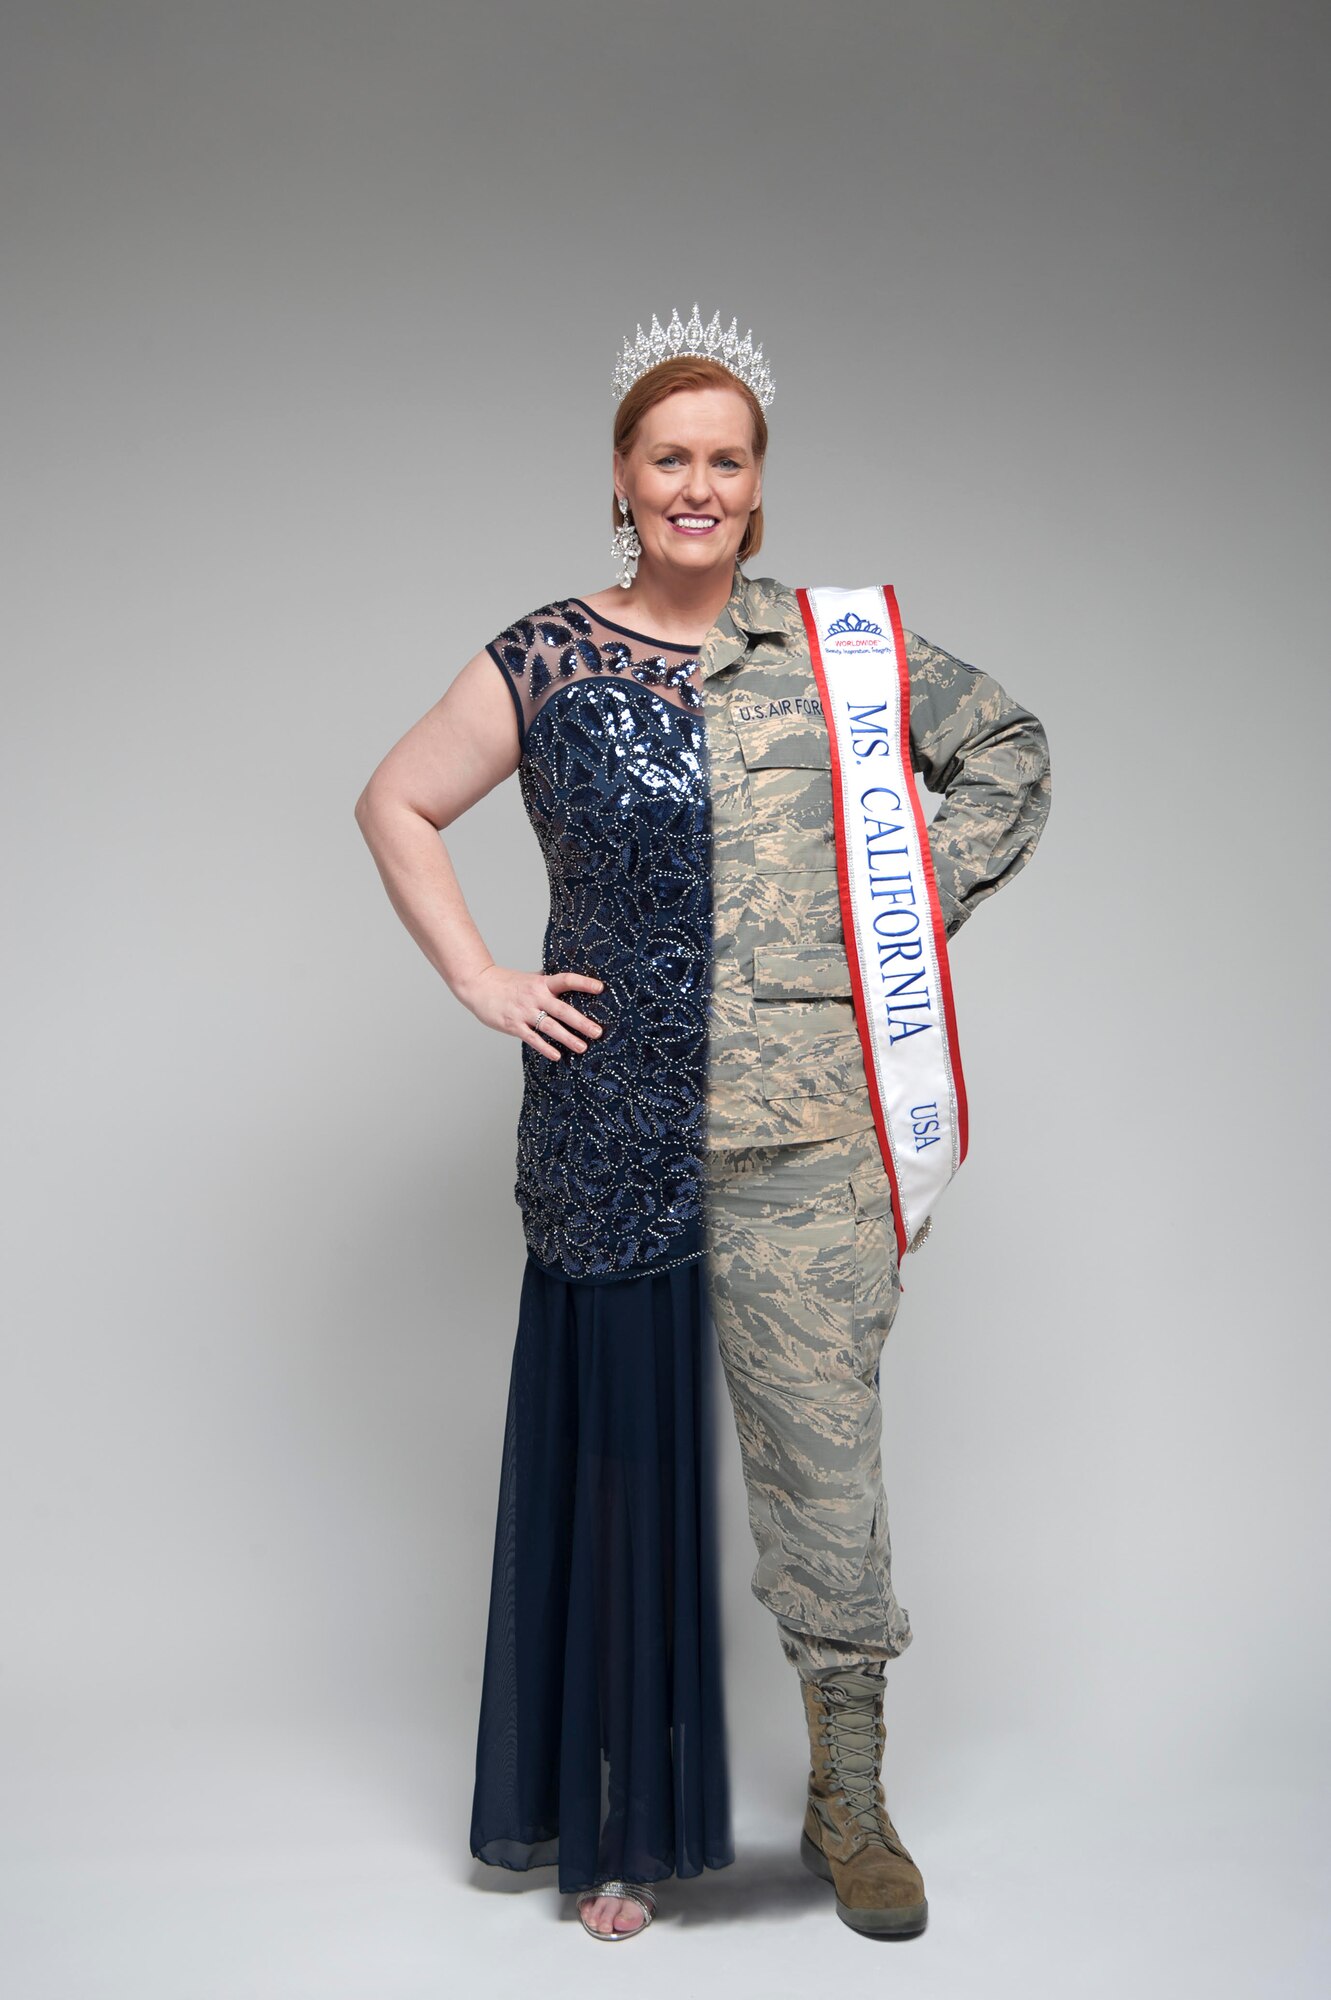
(804, 1286)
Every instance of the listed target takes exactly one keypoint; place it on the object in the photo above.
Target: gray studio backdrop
(310, 312)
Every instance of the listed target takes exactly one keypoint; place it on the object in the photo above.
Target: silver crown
(741, 357)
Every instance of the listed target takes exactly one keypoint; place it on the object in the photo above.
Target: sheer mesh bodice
(613, 774)
(566, 642)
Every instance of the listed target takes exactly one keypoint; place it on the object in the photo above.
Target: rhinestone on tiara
(741, 357)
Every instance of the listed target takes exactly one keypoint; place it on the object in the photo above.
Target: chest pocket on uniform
(788, 771)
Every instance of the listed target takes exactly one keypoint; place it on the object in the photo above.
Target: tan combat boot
(848, 1838)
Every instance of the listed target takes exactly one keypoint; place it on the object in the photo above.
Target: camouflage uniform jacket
(784, 1055)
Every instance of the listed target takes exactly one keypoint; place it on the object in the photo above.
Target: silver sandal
(635, 1892)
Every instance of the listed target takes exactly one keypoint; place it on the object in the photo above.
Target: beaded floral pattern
(613, 775)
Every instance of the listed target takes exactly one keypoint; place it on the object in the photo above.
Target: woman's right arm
(460, 750)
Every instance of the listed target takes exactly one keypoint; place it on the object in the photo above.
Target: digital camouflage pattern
(784, 1057)
(804, 1287)
(800, 1243)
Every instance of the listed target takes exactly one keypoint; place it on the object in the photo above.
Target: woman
(750, 1133)
(601, 1739)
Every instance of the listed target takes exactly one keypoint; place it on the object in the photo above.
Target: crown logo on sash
(741, 357)
(852, 622)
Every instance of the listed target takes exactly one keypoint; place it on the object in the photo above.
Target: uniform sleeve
(988, 758)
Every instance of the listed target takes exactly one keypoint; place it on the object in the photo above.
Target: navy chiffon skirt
(602, 1740)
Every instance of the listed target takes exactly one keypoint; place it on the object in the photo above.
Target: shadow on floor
(763, 1881)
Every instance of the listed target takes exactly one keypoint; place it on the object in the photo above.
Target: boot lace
(854, 1736)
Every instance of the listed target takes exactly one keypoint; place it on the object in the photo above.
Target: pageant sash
(895, 941)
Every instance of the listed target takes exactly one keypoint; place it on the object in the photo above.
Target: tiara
(741, 357)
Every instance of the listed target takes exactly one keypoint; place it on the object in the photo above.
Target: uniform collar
(750, 611)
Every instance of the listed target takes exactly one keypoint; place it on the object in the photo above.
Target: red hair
(690, 371)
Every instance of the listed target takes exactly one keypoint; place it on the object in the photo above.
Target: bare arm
(460, 750)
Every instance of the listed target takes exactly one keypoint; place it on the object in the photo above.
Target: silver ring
(539, 1018)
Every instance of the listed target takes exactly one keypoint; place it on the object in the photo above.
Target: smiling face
(691, 480)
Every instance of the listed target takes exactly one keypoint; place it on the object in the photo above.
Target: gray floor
(334, 1866)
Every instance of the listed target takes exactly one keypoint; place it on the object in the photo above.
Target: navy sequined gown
(601, 1743)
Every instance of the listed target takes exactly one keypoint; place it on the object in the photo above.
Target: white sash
(895, 940)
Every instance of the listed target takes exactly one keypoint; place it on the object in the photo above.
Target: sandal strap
(638, 1891)
(633, 1892)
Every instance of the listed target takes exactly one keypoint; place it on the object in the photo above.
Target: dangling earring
(625, 546)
